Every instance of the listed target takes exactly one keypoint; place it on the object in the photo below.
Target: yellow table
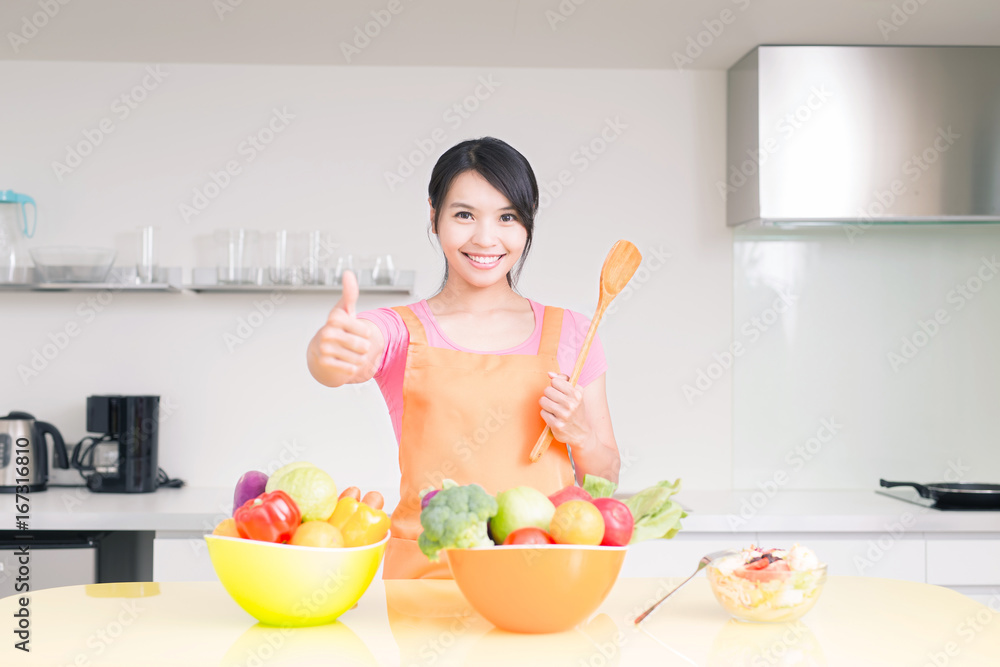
(858, 621)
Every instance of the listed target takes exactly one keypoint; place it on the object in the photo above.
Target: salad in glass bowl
(767, 585)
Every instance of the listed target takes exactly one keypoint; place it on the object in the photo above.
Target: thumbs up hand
(345, 349)
(349, 297)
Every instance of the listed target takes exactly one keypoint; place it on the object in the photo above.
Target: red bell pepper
(270, 517)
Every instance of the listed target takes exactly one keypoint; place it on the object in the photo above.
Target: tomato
(317, 534)
(529, 535)
(571, 492)
(577, 522)
(765, 572)
(618, 522)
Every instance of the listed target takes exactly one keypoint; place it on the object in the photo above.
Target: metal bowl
(72, 264)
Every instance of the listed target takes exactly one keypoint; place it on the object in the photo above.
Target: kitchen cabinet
(969, 560)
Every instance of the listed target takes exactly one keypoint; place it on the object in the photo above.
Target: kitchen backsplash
(865, 352)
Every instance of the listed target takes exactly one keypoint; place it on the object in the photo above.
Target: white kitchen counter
(194, 509)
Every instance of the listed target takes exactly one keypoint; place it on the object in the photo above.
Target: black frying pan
(956, 494)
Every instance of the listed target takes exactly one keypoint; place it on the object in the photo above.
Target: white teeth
(483, 260)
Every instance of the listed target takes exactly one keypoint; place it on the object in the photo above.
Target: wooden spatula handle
(545, 439)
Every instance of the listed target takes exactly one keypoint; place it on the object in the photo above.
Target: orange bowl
(536, 588)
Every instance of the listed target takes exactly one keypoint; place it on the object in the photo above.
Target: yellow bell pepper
(359, 523)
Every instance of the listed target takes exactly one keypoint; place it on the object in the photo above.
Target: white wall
(242, 409)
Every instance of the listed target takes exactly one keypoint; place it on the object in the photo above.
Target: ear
(432, 215)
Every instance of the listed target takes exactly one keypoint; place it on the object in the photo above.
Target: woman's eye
(508, 217)
(463, 214)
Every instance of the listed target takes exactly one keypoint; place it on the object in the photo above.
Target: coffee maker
(124, 458)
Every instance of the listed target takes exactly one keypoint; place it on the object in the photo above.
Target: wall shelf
(120, 279)
(204, 280)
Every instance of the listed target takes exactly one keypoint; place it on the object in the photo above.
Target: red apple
(618, 522)
(571, 492)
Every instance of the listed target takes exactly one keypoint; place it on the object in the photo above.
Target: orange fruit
(226, 528)
(577, 522)
(317, 534)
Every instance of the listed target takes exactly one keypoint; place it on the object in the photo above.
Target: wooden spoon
(619, 266)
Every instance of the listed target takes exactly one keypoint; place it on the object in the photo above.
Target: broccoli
(456, 518)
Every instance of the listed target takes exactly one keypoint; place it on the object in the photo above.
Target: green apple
(520, 507)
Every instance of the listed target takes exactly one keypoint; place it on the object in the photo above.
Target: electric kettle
(24, 455)
(14, 261)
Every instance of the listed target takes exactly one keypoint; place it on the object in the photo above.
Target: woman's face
(479, 231)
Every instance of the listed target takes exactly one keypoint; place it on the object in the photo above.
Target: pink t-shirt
(389, 374)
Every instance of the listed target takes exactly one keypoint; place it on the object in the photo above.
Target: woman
(473, 374)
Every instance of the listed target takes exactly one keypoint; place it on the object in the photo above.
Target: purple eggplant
(427, 497)
(250, 486)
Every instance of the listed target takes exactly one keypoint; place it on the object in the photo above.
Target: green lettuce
(598, 487)
(656, 515)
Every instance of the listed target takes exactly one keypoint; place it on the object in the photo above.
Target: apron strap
(417, 334)
(551, 331)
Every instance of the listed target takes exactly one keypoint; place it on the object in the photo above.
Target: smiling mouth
(485, 260)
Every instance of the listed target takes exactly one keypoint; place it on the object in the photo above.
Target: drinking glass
(146, 265)
(238, 263)
(384, 272)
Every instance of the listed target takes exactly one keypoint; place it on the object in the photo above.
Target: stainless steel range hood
(863, 135)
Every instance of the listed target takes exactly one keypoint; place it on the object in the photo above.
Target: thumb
(349, 283)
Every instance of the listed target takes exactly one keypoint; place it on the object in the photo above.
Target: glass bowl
(72, 264)
(764, 596)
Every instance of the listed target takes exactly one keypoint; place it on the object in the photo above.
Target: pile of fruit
(462, 517)
(299, 505)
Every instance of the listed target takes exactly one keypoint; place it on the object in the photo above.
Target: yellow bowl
(291, 586)
(536, 588)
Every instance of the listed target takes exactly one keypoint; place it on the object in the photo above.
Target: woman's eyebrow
(459, 204)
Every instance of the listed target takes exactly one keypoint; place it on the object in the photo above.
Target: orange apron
(472, 418)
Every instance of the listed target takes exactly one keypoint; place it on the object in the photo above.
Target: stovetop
(908, 495)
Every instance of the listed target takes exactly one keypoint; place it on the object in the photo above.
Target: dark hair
(504, 168)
